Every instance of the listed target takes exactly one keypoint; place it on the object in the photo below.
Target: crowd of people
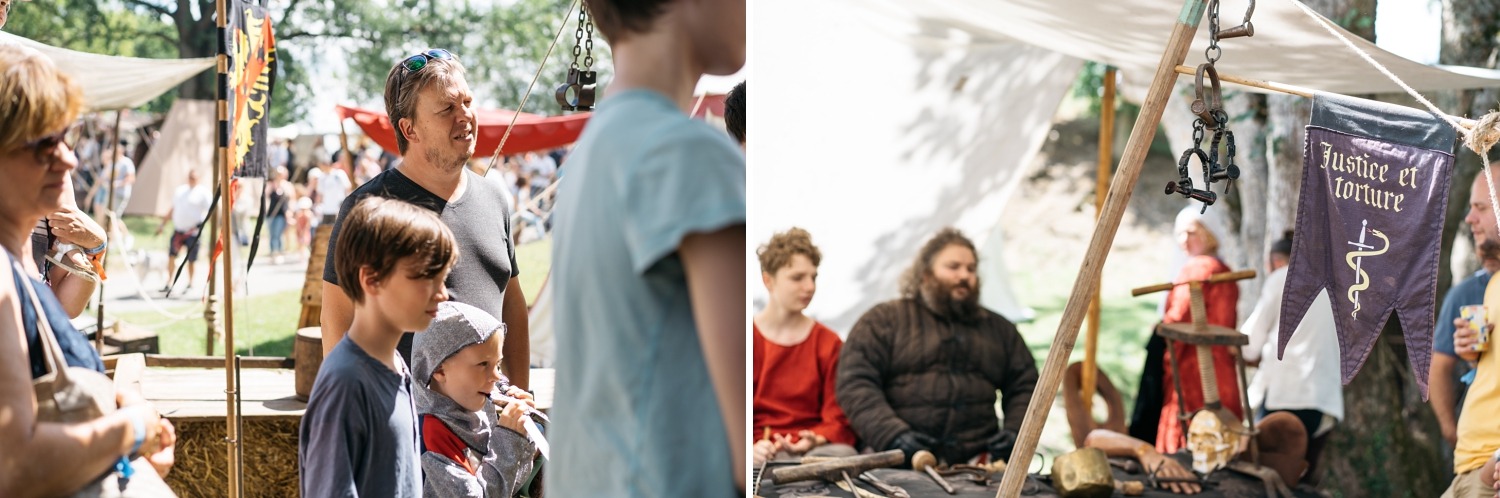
(910, 376)
(424, 385)
(922, 372)
(423, 389)
(919, 373)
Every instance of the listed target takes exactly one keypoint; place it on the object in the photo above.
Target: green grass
(263, 326)
(535, 260)
(1125, 326)
(143, 228)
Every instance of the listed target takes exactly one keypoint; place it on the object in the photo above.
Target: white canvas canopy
(186, 142)
(112, 82)
(881, 121)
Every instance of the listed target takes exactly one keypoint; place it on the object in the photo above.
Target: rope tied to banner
(1484, 135)
(1478, 139)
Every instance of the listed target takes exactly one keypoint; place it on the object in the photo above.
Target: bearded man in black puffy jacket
(921, 372)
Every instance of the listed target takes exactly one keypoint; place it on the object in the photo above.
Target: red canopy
(712, 103)
(532, 132)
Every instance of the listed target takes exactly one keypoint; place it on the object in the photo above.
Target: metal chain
(1213, 52)
(578, 41)
(588, 43)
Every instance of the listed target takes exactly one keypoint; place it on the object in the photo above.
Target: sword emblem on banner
(1356, 261)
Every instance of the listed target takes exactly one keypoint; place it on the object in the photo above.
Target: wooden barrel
(307, 356)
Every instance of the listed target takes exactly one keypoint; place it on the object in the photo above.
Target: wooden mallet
(923, 460)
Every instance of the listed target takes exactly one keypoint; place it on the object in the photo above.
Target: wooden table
(1223, 484)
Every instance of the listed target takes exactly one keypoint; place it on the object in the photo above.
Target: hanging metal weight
(582, 85)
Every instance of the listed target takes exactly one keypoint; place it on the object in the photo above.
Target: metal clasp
(583, 85)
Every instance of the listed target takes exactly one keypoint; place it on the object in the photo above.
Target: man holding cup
(1444, 383)
(1477, 444)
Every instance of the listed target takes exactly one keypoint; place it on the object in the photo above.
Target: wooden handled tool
(924, 461)
(834, 469)
(1215, 278)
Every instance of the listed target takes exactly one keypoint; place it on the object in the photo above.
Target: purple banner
(1369, 224)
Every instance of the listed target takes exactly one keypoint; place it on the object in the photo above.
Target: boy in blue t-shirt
(359, 434)
(649, 268)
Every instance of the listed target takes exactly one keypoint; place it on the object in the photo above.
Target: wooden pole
(1106, 158)
(211, 293)
(1104, 235)
(348, 155)
(224, 172)
(109, 224)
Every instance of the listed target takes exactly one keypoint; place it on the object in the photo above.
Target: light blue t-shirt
(635, 413)
(1470, 291)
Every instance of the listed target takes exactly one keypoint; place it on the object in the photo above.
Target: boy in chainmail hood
(470, 446)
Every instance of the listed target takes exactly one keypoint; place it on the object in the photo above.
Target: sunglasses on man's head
(417, 62)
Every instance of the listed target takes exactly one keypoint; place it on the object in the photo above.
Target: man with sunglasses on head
(432, 111)
(649, 268)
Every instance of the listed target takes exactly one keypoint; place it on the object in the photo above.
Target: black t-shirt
(480, 221)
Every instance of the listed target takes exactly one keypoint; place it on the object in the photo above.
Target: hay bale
(270, 454)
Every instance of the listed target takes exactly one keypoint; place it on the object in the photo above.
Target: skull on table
(1211, 441)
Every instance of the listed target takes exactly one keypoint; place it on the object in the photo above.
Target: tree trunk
(1259, 226)
(1389, 443)
(1469, 30)
(196, 38)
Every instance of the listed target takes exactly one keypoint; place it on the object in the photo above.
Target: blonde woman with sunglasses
(44, 458)
(76, 242)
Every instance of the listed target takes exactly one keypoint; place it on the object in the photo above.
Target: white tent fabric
(186, 142)
(928, 111)
(906, 140)
(1288, 47)
(111, 82)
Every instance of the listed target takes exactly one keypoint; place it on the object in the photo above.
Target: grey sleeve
(332, 438)
(510, 244)
(329, 275)
(514, 456)
(442, 478)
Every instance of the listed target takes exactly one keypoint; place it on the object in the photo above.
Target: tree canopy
(500, 43)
